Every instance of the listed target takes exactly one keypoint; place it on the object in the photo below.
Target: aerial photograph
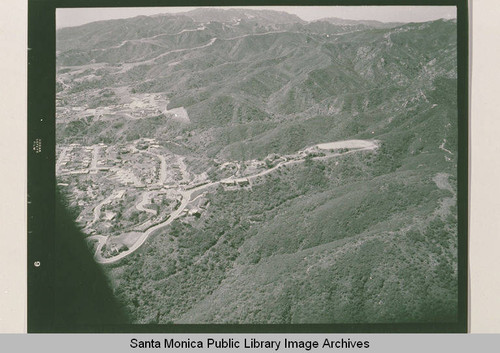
(264, 165)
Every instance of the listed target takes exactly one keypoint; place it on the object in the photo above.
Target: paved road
(163, 167)
(186, 195)
(101, 239)
(145, 200)
(369, 146)
(186, 199)
(97, 209)
(95, 156)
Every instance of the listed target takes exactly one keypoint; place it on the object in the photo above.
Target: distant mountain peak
(369, 23)
(235, 14)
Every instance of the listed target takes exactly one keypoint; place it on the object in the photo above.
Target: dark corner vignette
(69, 292)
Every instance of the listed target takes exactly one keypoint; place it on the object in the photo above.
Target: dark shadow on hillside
(83, 298)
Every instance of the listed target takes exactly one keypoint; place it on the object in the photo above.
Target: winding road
(163, 167)
(97, 209)
(145, 200)
(129, 66)
(186, 197)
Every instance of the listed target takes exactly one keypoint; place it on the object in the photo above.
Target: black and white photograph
(275, 165)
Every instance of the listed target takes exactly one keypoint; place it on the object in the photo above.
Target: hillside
(356, 236)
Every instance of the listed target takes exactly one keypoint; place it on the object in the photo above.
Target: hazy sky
(76, 17)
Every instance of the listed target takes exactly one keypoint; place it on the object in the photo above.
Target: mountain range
(370, 239)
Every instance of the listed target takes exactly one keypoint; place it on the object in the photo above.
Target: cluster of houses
(76, 160)
(235, 183)
(196, 208)
(127, 177)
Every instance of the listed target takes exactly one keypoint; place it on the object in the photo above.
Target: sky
(79, 16)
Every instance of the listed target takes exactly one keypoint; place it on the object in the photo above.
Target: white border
(484, 237)
(13, 219)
